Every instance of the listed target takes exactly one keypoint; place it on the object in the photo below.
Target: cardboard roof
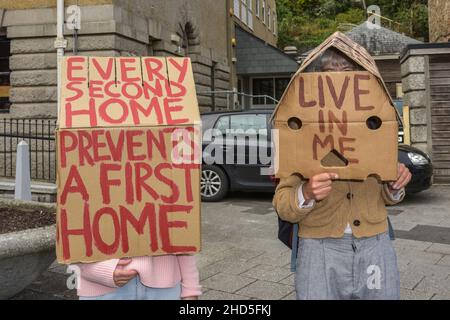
(168, 83)
(352, 50)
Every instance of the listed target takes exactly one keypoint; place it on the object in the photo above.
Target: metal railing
(40, 136)
(235, 100)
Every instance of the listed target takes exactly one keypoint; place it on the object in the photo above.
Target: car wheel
(213, 184)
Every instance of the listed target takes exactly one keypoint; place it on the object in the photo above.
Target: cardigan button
(350, 195)
(356, 223)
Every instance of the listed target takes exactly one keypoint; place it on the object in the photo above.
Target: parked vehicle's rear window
(249, 121)
(223, 123)
(243, 122)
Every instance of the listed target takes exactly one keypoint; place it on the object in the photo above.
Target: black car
(419, 163)
(226, 158)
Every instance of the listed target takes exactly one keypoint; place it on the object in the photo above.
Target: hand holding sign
(403, 178)
(319, 186)
(121, 276)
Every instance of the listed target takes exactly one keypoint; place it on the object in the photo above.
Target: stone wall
(207, 20)
(439, 20)
(261, 28)
(414, 84)
(40, 191)
(33, 4)
(106, 30)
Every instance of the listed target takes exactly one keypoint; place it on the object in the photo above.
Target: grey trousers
(347, 268)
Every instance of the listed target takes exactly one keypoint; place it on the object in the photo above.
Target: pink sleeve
(190, 282)
(99, 272)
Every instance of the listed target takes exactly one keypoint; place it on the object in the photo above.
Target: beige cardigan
(362, 204)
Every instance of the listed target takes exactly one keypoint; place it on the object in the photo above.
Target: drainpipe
(60, 45)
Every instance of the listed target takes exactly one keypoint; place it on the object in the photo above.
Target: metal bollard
(23, 182)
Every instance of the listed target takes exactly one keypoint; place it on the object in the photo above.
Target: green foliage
(306, 23)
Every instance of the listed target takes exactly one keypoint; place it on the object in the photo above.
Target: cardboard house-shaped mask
(129, 155)
(341, 122)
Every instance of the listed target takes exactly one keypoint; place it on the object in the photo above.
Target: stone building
(113, 28)
(439, 20)
(204, 30)
(426, 85)
(386, 47)
(425, 72)
(262, 70)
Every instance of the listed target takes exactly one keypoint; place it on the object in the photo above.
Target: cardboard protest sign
(342, 122)
(129, 156)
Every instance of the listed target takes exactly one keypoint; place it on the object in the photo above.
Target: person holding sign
(344, 249)
(128, 176)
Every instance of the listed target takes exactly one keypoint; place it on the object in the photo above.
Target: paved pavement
(242, 259)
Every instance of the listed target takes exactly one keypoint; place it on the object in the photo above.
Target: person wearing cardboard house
(344, 248)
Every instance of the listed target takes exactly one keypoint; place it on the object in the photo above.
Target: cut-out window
(295, 123)
(334, 159)
(374, 123)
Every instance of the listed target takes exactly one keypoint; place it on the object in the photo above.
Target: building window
(263, 11)
(250, 14)
(280, 86)
(269, 21)
(243, 14)
(275, 23)
(240, 89)
(258, 8)
(4, 74)
(262, 87)
(247, 13)
(237, 8)
(269, 87)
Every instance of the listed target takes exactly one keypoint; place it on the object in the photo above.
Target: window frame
(247, 7)
(263, 13)
(250, 14)
(275, 23)
(252, 89)
(274, 79)
(237, 5)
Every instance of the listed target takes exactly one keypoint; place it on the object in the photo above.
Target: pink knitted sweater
(156, 272)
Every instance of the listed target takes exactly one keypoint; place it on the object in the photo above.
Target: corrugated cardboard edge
(352, 50)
